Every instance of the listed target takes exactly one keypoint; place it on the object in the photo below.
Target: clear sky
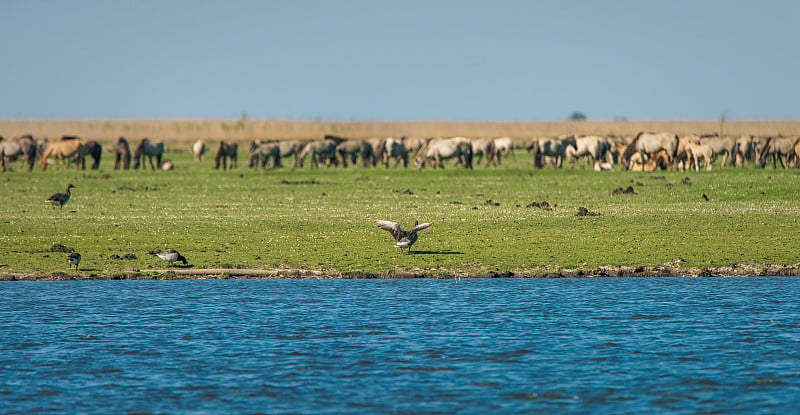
(400, 60)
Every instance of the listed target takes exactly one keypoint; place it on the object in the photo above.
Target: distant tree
(577, 116)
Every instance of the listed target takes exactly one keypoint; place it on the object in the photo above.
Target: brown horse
(63, 149)
(122, 153)
(226, 151)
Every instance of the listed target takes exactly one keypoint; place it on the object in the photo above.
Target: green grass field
(321, 220)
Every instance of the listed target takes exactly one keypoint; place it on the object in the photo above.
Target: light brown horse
(439, 149)
(63, 149)
(199, 149)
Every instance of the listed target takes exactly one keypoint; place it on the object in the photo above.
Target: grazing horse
(439, 149)
(553, 149)
(226, 150)
(351, 149)
(94, 149)
(503, 146)
(288, 148)
(63, 149)
(648, 144)
(199, 150)
(393, 149)
(697, 150)
(320, 150)
(262, 151)
(659, 160)
(377, 144)
(122, 153)
(150, 149)
(745, 151)
(11, 150)
(779, 148)
(484, 147)
(682, 159)
(724, 146)
(590, 146)
(414, 144)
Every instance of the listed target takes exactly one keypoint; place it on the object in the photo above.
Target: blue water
(649, 345)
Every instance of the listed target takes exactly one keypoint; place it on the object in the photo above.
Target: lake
(607, 345)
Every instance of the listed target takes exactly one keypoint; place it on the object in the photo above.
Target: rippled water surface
(402, 346)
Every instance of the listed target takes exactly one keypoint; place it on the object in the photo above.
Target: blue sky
(400, 60)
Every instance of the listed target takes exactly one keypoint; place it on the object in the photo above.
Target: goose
(60, 199)
(170, 255)
(74, 259)
(403, 237)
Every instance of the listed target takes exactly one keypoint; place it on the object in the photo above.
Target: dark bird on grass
(403, 238)
(74, 259)
(170, 255)
(60, 199)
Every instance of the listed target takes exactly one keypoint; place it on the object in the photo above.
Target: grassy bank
(318, 222)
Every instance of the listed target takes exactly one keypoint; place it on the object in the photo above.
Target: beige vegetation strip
(187, 131)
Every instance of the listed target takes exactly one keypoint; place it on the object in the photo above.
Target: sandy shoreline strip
(740, 270)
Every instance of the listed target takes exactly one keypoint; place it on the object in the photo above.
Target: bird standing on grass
(403, 237)
(170, 255)
(74, 258)
(60, 199)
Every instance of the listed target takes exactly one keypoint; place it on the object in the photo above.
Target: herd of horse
(646, 151)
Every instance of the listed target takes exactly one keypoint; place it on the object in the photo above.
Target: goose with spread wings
(403, 237)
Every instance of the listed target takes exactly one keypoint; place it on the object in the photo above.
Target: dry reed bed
(185, 131)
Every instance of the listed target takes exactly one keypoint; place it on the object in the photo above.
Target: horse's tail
(762, 157)
(137, 154)
(32, 152)
(674, 154)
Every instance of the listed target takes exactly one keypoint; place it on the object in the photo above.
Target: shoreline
(738, 270)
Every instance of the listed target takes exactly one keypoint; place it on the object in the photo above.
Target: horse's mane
(767, 145)
(631, 147)
(335, 138)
